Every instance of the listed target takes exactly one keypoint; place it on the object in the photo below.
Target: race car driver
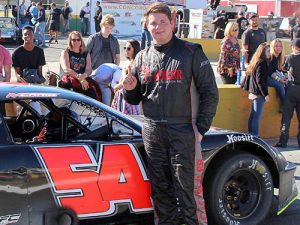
(176, 84)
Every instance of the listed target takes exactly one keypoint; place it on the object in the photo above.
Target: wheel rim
(241, 194)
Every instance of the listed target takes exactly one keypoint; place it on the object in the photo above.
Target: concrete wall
(212, 47)
(234, 109)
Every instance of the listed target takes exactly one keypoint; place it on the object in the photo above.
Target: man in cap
(292, 97)
(252, 37)
(242, 22)
(270, 25)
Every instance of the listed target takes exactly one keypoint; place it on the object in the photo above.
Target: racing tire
(240, 191)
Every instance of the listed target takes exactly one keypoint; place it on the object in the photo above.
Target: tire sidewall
(255, 166)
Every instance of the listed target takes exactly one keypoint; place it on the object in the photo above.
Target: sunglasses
(76, 39)
(127, 48)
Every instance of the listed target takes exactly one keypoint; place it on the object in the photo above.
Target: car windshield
(56, 120)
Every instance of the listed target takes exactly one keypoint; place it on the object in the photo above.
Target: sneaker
(279, 145)
(51, 39)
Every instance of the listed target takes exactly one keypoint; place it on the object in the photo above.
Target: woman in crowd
(258, 71)
(76, 64)
(229, 61)
(131, 48)
(105, 75)
(276, 78)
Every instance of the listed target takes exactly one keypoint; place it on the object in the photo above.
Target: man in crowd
(270, 25)
(169, 75)
(5, 64)
(242, 22)
(103, 46)
(292, 98)
(28, 61)
(252, 37)
(28, 56)
(296, 29)
(220, 24)
(66, 13)
(22, 12)
(85, 15)
(98, 17)
(292, 23)
(39, 29)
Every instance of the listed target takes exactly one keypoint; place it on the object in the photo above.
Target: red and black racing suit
(177, 87)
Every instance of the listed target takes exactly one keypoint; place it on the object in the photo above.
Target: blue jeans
(84, 26)
(66, 26)
(279, 88)
(146, 36)
(256, 112)
(39, 32)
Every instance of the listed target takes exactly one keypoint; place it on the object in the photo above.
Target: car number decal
(8, 219)
(92, 186)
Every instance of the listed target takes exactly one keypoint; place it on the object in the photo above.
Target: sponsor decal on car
(236, 138)
(31, 95)
(93, 184)
(8, 219)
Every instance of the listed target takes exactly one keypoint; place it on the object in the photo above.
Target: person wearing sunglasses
(131, 49)
(75, 62)
(229, 61)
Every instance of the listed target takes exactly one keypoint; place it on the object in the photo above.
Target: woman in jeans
(258, 70)
(229, 62)
(276, 79)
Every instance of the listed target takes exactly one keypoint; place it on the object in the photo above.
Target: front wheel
(240, 191)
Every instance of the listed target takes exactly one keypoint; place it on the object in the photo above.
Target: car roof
(9, 91)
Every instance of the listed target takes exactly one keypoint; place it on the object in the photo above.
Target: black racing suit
(177, 87)
(292, 98)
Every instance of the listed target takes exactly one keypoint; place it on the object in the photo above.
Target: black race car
(65, 157)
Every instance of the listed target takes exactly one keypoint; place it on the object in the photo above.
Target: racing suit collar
(161, 48)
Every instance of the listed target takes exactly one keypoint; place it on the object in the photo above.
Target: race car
(67, 159)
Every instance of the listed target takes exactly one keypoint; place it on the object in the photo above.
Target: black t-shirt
(296, 31)
(66, 12)
(273, 66)
(77, 61)
(221, 22)
(292, 21)
(107, 51)
(243, 24)
(31, 59)
(55, 14)
(253, 38)
(41, 16)
(99, 10)
(292, 64)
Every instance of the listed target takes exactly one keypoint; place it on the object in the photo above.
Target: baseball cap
(253, 15)
(296, 42)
